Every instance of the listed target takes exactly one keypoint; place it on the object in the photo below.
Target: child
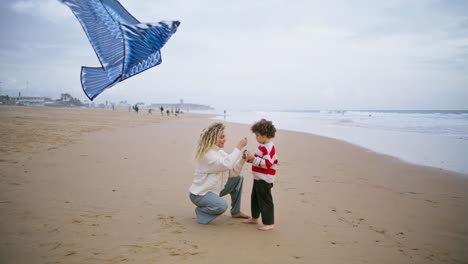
(264, 170)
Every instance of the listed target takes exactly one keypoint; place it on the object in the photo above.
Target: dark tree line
(69, 100)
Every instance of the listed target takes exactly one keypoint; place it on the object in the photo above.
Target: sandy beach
(102, 186)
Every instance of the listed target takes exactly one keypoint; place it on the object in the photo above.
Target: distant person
(167, 112)
(149, 111)
(162, 110)
(264, 170)
(224, 115)
(217, 174)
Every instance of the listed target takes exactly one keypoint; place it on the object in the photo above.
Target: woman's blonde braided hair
(208, 139)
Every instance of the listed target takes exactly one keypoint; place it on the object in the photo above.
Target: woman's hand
(250, 157)
(242, 143)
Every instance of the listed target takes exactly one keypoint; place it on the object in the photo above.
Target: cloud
(316, 54)
(51, 10)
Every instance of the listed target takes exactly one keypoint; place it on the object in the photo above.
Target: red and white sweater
(264, 164)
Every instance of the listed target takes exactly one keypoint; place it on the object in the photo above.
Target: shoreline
(366, 149)
(121, 195)
(428, 150)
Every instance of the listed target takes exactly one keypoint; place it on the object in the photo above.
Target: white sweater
(212, 172)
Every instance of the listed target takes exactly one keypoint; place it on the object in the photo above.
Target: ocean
(431, 138)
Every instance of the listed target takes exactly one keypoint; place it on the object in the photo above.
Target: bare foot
(240, 215)
(266, 227)
(251, 221)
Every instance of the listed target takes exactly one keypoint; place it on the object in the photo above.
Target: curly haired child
(264, 162)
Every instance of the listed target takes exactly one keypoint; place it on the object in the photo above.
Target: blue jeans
(211, 205)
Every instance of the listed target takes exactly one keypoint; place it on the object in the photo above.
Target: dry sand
(100, 186)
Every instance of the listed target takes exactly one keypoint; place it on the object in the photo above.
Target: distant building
(29, 101)
(6, 100)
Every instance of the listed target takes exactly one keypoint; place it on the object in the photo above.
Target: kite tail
(95, 80)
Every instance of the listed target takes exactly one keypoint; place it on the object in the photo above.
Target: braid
(208, 139)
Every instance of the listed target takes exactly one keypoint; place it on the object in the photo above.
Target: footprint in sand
(183, 248)
(380, 231)
(51, 245)
(345, 219)
(432, 202)
(70, 253)
(91, 219)
(54, 230)
(400, 235)
(118, 259)
(171, 248)
(96, 216)
(308, 198)
(317, 178)
(171, 224)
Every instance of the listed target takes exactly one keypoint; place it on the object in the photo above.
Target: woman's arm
(217, 162)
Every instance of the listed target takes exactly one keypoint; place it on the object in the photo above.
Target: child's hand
(250, 157)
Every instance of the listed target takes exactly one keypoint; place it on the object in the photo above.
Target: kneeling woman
(217, 174)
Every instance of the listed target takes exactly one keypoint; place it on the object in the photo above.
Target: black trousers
(261, 202)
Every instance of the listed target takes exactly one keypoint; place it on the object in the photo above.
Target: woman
(216, 174)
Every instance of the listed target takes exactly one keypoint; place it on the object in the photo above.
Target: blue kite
(123, 45)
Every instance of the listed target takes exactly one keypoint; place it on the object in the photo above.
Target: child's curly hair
(264, 128)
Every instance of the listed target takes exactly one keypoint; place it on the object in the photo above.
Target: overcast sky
(258, 55)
